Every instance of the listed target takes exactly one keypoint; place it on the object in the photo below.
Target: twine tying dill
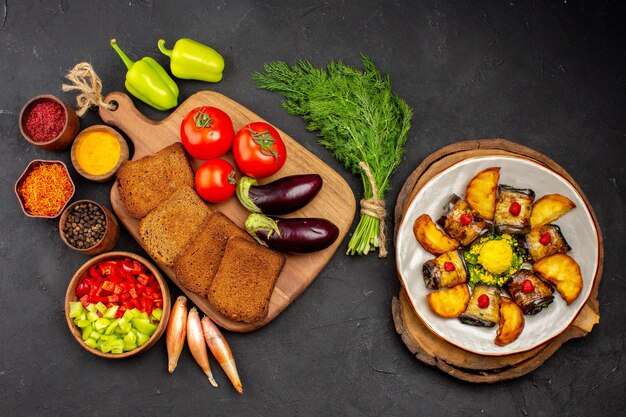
(375, 207)
(85, 80)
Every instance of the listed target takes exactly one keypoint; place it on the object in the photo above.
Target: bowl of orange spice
(44, 188)
(98, 152)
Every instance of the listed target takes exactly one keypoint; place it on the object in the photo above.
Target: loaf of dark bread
(147, 182)
(244, 282)
(197, 264)
(166, 230)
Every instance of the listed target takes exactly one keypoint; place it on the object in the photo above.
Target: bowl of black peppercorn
(88, 227)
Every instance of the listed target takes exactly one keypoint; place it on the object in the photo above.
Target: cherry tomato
(448, 267)
(215, 180)
(515, 208)
(545, 239)
(259, 151)
(207, 132)
(483, 301)
(527, 286)
(466, 219)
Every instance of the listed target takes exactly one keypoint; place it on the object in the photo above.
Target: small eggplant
(477, 314)
(298, 235)
(546, 240)
(282, 196)
(462, 222)
(447, 270)
(513, 208)
(532, 296)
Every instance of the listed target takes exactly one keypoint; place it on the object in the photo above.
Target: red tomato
(259, 151)
(207, 132)
(215, 180)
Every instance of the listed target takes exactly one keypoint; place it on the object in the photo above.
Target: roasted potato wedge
(449, 303)
(563, 272)
(511, 322)
(549, 208)
(431, 238)
(481, 192)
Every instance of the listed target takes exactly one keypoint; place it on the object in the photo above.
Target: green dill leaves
(358, 118)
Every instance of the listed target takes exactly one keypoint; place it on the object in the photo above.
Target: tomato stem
(202, 119)
(266, 142)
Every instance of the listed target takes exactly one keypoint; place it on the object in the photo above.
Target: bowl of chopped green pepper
(117, 305)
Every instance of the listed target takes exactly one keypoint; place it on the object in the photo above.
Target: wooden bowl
(123, 153)
(34, 163)
(106, 242)
(67, 135)
(70, 295)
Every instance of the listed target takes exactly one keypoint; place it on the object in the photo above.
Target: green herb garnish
(359, 119)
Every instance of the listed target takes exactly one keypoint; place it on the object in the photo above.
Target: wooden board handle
(130, 120)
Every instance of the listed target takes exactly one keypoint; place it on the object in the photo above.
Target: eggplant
(282, 196)
(436, 276)
(488, 316)
(453, 224)
(539, 295)
(297, 235)
(539, 246)
(508, 220)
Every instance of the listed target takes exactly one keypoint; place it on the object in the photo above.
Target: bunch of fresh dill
(359, 119)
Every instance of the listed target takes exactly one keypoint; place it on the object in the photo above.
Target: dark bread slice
(167, 229)
(147, 182)
(245, 280)
(197, 264)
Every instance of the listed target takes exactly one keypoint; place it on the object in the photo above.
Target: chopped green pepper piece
(76, 307)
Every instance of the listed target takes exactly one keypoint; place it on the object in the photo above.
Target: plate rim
(540, 164)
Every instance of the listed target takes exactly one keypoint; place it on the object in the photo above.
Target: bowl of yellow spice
(98, 152)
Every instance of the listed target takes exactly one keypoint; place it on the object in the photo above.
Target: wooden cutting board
(433, 350)
(335, 201)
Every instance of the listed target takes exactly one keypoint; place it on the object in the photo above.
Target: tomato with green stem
(259, 150)
(215, 180)
(207, 132)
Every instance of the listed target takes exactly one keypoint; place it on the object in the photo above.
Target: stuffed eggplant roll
(445, 271)
(462, 222)
(513, 208)
(529, 291)
(544, 241)
(483, 308)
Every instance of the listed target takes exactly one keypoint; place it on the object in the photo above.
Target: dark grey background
(549, 76)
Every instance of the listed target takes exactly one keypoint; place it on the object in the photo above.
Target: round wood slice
(433, 350)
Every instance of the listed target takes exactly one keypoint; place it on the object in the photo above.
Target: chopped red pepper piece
(84, 300)
(108, 285)
(133, 293)
(449, 267)
(113, 298)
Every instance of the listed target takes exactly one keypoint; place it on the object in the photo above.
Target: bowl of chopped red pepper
(117, 305)
(48, 122)
(44, 188)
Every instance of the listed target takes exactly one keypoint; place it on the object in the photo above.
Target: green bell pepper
(147, 80)
(192, 60)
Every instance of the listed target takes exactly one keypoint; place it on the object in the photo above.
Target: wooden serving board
(433, 350)
(335, 201)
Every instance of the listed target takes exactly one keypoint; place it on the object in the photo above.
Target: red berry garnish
(466, 219)
(483, 301)
(527, 286)
(449, 266)
(545, 239)
(515, 208)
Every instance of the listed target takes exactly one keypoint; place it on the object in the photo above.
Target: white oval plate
(577, 226)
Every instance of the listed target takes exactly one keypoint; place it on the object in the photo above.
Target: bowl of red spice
(44, 188)
(48, 122)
